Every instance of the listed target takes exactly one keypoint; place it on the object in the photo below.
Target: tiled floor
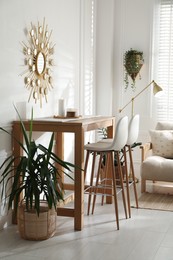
(147, 235)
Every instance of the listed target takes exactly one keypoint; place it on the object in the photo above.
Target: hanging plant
(133, 62)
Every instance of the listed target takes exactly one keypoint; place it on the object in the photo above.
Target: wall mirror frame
(38, 60)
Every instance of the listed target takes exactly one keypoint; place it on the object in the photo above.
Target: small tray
(65, 117)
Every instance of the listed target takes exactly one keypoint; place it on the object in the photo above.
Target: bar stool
(107, 152)
(133, 132)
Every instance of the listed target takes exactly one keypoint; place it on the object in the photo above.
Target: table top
(81, 120)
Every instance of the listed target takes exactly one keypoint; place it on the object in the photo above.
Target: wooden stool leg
(107, 159)
(114, 189)
(86, 164)
(127, 181)
(121, 182)
(97, 181)
(133, 175)
(91, 181)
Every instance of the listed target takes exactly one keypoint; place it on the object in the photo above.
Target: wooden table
(78, 127)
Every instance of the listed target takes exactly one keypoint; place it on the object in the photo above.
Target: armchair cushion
(162, 143)
(157, 168)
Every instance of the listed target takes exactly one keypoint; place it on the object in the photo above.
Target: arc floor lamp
(156, 90)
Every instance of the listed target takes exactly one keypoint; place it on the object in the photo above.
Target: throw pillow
(164, 126)
(162, 142)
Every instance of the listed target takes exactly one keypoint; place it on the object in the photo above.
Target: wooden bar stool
(107, 151)
(133, 132)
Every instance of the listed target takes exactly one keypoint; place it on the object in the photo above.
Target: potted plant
(37, 179)
(133, 62)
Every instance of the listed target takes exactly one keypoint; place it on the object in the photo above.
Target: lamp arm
(120, 110)
(143, 89)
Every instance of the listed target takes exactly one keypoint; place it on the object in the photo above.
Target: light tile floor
(147, 235)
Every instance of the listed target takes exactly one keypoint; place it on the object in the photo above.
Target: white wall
(63, 18)
(104, 56)
(122, 25)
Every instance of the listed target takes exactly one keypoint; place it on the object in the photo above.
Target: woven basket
(32, 227)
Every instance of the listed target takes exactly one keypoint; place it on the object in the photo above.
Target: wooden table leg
(59, 150)
(79, 179)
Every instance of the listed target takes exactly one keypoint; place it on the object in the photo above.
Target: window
(163, 58)
(87, 56)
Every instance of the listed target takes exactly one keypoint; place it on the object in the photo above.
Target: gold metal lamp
(156, 90)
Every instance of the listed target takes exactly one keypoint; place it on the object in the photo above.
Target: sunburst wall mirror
(38, 53)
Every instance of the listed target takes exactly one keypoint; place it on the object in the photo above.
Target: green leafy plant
(35, 175)
(133, 62)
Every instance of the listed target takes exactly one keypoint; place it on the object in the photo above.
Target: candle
(61, 107)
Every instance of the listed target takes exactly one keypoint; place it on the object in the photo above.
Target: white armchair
(157, 156)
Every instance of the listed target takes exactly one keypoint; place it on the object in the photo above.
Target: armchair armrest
(145, 148)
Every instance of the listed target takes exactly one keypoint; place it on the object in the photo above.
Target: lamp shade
(156, 89)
